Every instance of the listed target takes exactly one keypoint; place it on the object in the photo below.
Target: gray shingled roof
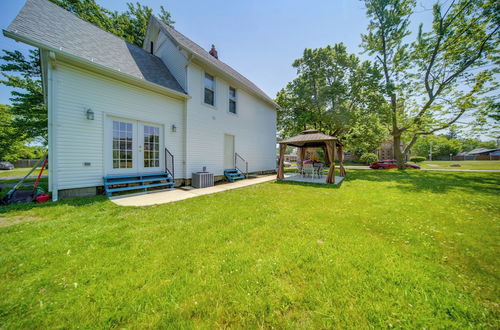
(50, 25)
(193, 47)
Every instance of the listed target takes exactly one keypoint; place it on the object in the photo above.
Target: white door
(122, 138)
(228, 151)
(133, 146)
(151, 148)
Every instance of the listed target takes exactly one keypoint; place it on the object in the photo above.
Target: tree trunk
(397, 151)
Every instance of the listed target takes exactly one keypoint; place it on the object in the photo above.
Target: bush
(417, 159)
(368, 158)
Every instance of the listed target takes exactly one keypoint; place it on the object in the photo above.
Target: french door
(134, 146)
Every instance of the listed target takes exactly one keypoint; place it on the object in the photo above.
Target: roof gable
(52, 26)
(195, 49)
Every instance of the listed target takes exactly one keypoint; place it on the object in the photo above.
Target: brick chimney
(213, 52)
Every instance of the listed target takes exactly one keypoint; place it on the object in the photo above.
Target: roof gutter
(112, 72)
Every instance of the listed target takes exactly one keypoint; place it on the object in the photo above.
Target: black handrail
(236, 156)
(169, 166)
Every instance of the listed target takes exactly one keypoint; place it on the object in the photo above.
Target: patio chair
(319, 169)
(300, 169)
(308, 170)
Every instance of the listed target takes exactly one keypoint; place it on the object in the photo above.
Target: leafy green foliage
(472, 143)
(446, 71)
(12, 141)
(441, 146)
(29, 114)
(336, 93)
(130, 25)
(368, 158)
(379, 252)
(9, 139)
(417, 159)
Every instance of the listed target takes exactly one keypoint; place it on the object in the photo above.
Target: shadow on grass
(437, 182)
(76, 201)
(310, 184)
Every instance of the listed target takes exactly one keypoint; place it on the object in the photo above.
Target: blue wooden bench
(117, 183)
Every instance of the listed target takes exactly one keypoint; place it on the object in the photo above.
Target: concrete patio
(163, 197)
(299, 178)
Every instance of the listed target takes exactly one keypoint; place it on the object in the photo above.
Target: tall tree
(23, 72)
(336, 93)
(130, 25)
(29, 114)
(433, 80)
(9, 140)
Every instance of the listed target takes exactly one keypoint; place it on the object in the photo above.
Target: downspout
(53, 187)
(185, 118)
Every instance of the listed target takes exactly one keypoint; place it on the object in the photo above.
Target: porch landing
(175, 195)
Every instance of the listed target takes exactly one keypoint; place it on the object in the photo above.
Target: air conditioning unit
(202, 179)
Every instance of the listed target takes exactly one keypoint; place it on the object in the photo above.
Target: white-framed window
(209, 94)
(151, 146)
(122, 144)
(232, 100)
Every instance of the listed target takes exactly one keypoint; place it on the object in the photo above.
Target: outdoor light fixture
(90, 114)
(174, 128)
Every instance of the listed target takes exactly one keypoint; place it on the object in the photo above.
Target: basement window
(209, 89)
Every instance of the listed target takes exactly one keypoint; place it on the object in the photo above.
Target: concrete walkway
(175, 195)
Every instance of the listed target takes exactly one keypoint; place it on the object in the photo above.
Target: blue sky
(259, 38)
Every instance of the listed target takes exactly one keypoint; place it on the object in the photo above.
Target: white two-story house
(115, 108)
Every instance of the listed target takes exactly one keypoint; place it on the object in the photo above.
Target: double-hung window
(232, 100)
(209, 89)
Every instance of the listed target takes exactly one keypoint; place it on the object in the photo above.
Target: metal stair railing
(242, 161)
(169, 163)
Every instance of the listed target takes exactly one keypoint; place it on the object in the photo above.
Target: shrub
(417, 159)
(368, 158)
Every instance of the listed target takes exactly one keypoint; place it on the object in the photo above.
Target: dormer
(160, 44)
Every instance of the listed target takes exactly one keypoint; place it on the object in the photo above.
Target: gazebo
(312, 138)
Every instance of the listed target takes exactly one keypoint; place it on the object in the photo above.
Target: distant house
(291, 158)
(118, 109)
(386, 150)
(479, 154)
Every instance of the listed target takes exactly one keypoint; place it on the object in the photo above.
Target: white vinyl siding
(79, 140)
(254, 128)
(172, 57)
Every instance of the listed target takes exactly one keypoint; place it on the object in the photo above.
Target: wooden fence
(25, 162)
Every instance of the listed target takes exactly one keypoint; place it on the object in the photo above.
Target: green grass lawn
(21, 171)
(467, 164)
(406, 249)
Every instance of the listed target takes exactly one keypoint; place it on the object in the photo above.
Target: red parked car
(387, 164)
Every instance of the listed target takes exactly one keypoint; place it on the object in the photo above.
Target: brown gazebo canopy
(312, 138)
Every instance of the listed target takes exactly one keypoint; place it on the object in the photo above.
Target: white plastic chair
(308, 170)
